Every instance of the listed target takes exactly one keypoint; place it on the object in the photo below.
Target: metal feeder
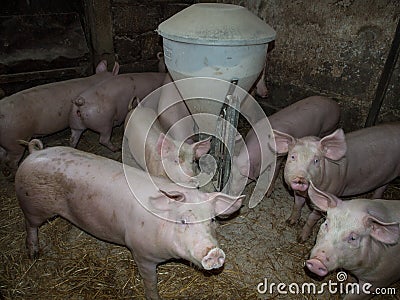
(222, 41)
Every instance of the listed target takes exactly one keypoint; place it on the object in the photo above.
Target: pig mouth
(299, 184)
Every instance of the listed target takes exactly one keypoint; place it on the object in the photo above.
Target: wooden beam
(99, 18)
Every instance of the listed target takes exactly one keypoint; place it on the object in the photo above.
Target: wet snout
(214, 259)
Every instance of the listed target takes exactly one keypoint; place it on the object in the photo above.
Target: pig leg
(298, 204)
(378, 193)
(32, 240)
(313, 218)
(75, 137)
(105, 138)
(11, 163)
(148, 271)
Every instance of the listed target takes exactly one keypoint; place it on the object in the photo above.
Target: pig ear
(102, 66)
(334, 145)
(115, 70)
(282, 142)
(225, 205)
(164, 146)
(321, 199)
(387, 233)
(165, 200)
(202, 147)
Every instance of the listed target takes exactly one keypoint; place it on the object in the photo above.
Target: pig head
(158, 154)
(156, 219)
(360, 236)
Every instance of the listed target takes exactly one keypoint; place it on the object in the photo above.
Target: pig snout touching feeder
(221, 41)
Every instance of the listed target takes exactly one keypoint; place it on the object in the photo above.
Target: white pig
(158, 154)
(360, 236)
(120, 204)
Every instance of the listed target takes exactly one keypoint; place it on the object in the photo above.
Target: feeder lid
(216, 24)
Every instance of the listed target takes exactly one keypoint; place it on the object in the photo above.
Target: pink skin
(360, 236)
(39, 111)
(105, 105)
(314, 115)
(360, 162)
(79, 179)
(160, 155)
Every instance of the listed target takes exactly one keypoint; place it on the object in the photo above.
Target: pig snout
(214, 259)
(299, 184)
(316, 266)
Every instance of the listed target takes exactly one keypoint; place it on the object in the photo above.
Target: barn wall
(335, 48)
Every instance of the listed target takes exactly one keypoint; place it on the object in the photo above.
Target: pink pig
(158, 154)
(361, 236)
(362, 161)
(105, 105)
(314, 115)
(39, 111)
(93, 193)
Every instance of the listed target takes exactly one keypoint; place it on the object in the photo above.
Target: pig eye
(316, 161)
(353, 238)
(183, 221)
(292, 157)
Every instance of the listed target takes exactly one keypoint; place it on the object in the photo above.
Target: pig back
(88, 190)
(372, 158)
(312, 116)
(43, 109)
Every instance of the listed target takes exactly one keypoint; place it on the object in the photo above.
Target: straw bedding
(74, 265)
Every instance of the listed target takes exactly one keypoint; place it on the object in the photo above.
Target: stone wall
(335, 48)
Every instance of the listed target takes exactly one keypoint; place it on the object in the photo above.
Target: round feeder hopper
(222, 41)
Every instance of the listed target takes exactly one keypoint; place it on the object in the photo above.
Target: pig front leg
(10, 165)
(298, 204)
(313, 218)
(148, 271)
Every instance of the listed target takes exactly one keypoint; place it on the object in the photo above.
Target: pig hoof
(34, 254)
(291, 221)
(301, 239)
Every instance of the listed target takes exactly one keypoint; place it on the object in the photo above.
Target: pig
(315, 115)
(155, 219)
(360, 236)
(158, 154)
(344, 165)
(39, 111)
(105, 105)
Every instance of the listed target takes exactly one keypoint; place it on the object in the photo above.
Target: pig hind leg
(378, 193)
(75, 137)
(105, 139)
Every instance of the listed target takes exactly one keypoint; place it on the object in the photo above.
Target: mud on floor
(258, 244)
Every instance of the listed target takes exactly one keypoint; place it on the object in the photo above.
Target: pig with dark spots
(159, 154)
(344, 165)
(38, 111)
(105, 105)
(122, 205)
(314, 115)
(360, 236)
